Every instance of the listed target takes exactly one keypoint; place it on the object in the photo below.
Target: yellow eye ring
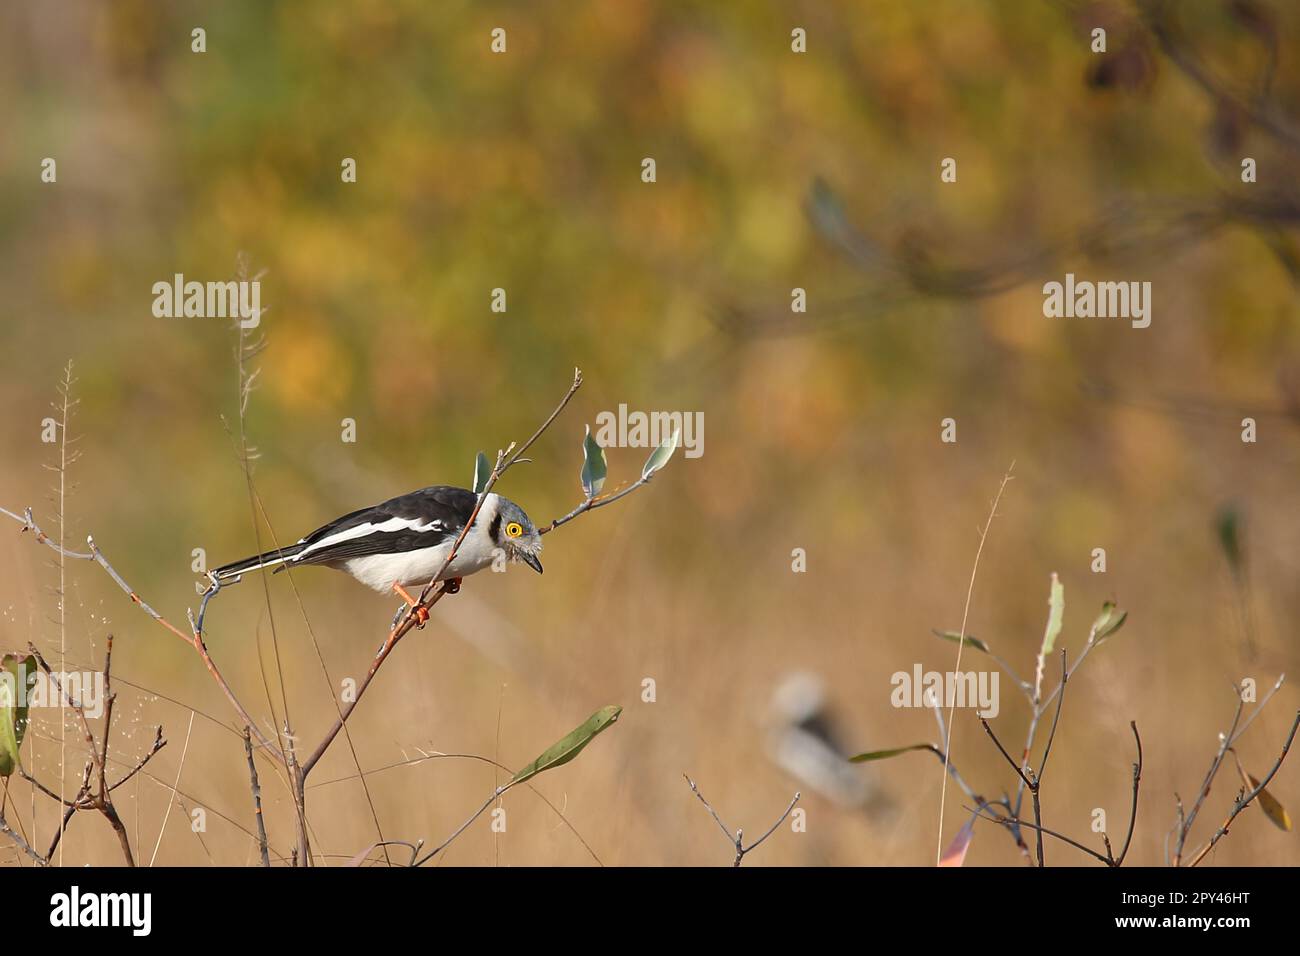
(514, 529)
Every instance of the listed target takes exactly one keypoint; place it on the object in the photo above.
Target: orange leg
(421, 613)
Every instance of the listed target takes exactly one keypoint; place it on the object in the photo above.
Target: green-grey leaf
(571, 744)
(1103, 619)
(593, 466)
(659, 457)
(1055, 615)
(1114, 626)
(1228, 524)
(1108, 622)
(17, 677)
(883, 754)
(482, 472)
(969, 641)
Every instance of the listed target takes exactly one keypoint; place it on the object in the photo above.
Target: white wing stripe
(362, 530)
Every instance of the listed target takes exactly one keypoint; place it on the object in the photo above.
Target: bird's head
(514, 533)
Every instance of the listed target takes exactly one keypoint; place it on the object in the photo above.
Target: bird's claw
(420, 611)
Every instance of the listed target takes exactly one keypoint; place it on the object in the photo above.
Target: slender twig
(738, 840)
(91, 797)
(1056, 719)
(1003, 750)
(599, 501)
(1043, 830)
(257, 799)
(68, 814)
(479, 757)
(182, 794)
(772, 828)
(22, 844)
(193, 639)
(965, 616)
(1031, 781)
(1260, 110)
(1137, 783)
(171, 800)
(1245, 724)
(159, 743)
(62, 469)
(1245, 799)
(1047, 749)
(577, 384)
(980, 802)
(1025, 687)
(713, 813)
(1225, 742)
(109, 699)
(496, 793)
(1039, 707)
(359, 858)
(245, 351)
(1178, 823)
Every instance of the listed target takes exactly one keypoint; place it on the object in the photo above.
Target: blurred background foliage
(775, 171)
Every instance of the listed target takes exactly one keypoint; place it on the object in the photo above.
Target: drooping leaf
(1110, 620)
(659, 457)
(829, 218)
(1228, 525)
(17, 677)
(884, 754)
(969, 641)
(571, 744)
(593, 466)
(955, 855)
(482, 472)
(1055, 615)
(825, 210)
(1271, 807)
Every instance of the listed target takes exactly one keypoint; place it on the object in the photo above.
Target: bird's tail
(269, 559)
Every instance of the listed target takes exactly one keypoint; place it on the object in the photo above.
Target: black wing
(421, 519)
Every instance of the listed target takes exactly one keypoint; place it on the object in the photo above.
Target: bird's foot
(421, 612)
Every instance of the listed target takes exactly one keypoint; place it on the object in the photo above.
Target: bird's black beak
(531, 561)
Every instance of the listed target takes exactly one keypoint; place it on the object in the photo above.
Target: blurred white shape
(804, 740)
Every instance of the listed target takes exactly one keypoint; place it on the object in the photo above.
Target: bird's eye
(514, 529)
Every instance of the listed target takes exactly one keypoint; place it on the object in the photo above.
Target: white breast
(417, 568)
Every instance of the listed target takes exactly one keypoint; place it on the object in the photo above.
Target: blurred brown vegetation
(522, 171)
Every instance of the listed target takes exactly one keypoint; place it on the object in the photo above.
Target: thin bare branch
(1043, 830)
(738, 841)
(1137, 783)
(1245, 799)
(1225, 742)
(257, 799)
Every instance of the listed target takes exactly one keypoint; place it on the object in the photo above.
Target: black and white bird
(403, 542)
(806, 740)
